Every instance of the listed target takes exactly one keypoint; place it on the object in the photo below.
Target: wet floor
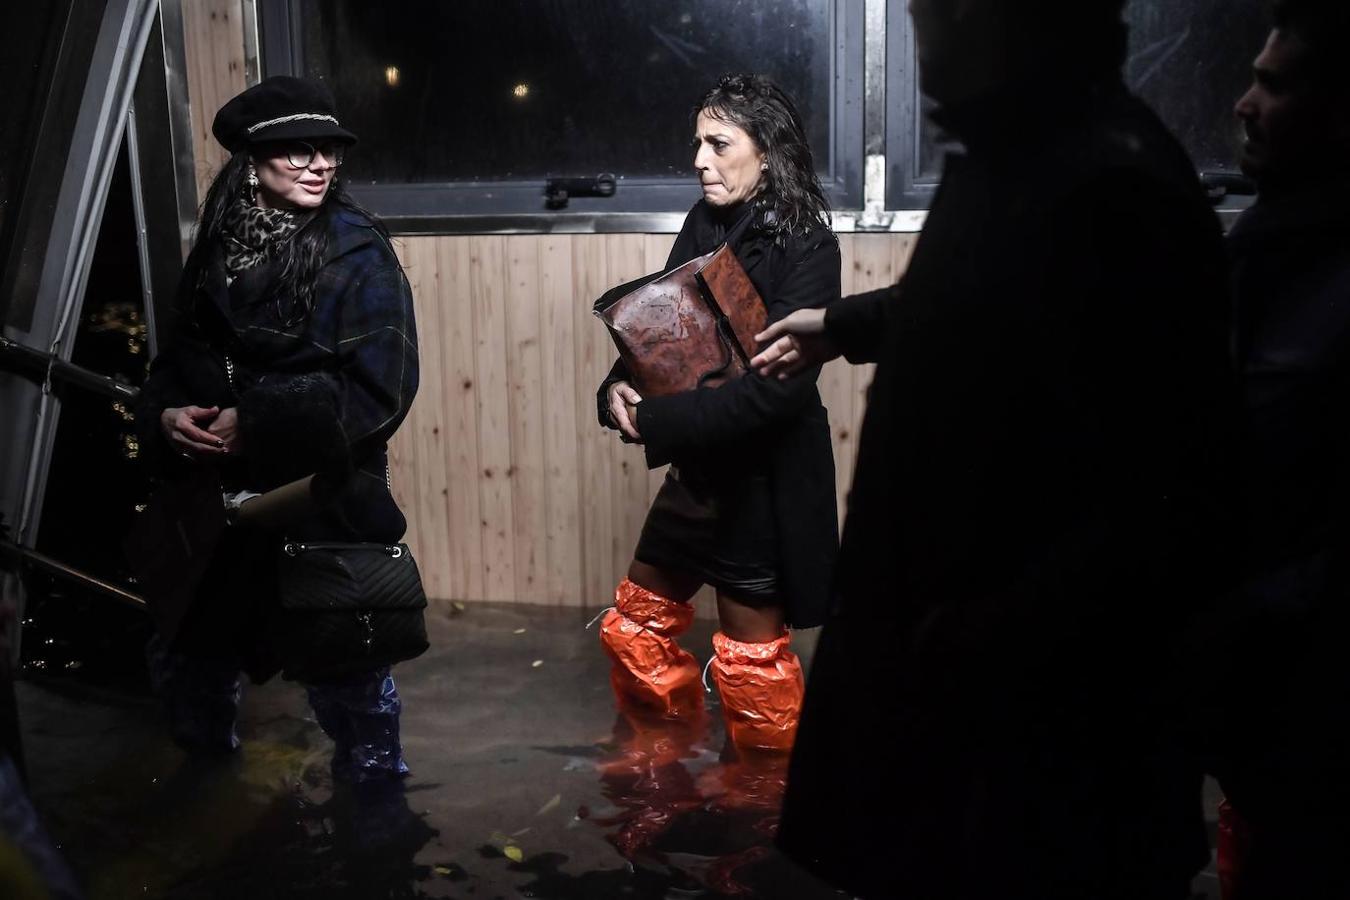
(526, 783)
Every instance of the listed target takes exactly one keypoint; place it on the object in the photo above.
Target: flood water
(526, 782)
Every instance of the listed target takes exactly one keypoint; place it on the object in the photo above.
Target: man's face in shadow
(961, 46)
(1294, 126)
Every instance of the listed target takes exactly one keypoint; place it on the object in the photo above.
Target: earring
(252, 181)
(764, 167)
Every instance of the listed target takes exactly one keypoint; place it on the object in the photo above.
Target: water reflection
(703, 819)
(359, 843)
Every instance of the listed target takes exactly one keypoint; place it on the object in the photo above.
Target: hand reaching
(794, 343)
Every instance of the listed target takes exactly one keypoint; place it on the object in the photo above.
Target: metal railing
(44, 368)
(31, 557)
(47, 369)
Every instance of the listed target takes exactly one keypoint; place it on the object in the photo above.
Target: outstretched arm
(809, 338)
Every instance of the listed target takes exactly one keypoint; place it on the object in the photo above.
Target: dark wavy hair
(292, 294)
(765, 112)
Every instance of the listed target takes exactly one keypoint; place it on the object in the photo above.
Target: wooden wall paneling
(526, 398)
(896, 249)
(487, 295)
(655, 252)
(594, 355)
(626, 258)
(429, 527)
(836, 389)
(874, 267)
(459, 379)
(562, 417)
(213, 41)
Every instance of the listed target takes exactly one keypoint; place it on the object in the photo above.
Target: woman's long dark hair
(765, 112)
(301, 256)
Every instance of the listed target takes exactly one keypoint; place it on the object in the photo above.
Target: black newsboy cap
(278, 108)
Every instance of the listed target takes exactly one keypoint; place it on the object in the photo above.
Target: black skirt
(718, 529)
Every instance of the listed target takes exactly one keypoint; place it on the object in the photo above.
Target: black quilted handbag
(347, 608)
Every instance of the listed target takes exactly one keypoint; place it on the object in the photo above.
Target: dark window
(1191, 61)
(488, 100)
(1188, 59)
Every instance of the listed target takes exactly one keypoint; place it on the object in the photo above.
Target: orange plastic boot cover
(639, 636)
(761, 687)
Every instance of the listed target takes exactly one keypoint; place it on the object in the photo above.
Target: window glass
(1190, 61)
(522, 89)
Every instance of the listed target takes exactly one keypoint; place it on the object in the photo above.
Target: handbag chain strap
(295, 548)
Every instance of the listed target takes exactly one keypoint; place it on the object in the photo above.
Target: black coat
(779, 425)
(321, 397)
(993, 709)
(1287, 682)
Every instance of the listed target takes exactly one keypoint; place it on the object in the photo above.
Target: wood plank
(594, 355)
(487, 294)
(562, 500)
(900, 248)
(431, 526)
(836, 388)
(526, 399)
(402, 451)
(874, 267)
(213, 43)
(626, 258)
(459, 396)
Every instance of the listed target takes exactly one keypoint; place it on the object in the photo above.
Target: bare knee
(749, 624)
(673, 585)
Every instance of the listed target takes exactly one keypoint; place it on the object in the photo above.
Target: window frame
(518, 204)
(905, 190)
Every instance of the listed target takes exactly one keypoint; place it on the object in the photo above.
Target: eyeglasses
(301, 154)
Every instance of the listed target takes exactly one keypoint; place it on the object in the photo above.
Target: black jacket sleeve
(684, 423)
(186, 373)
(857, 324)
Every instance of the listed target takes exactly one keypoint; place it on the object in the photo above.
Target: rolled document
(279, 507)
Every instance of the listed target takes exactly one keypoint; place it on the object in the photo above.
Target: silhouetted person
(996, 707)
(1289, 703)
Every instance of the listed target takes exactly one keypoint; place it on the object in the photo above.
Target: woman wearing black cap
(294, 354)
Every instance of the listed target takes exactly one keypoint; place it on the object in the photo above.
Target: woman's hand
(623, 401)
(181, 427)
(226, 428)
(795, 342)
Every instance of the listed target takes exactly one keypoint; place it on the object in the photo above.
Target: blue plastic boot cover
(361, 715)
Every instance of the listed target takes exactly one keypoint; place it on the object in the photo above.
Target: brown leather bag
(691, 327)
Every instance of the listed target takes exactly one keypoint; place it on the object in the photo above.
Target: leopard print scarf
(253, 235)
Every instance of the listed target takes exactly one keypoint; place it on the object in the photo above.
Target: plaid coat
(322, 396)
